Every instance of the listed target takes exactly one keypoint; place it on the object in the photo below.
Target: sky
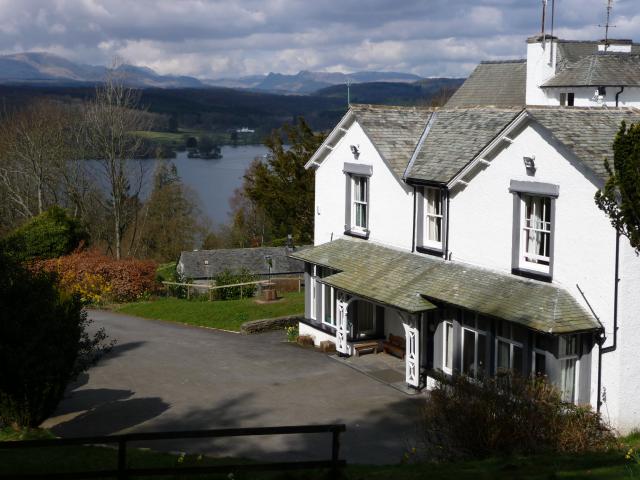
(227, 38)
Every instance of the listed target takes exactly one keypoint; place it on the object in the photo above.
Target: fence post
(299, 284)
(240, 292)
(335, 452)
(122, 460)
(188, 292)
(210, 293)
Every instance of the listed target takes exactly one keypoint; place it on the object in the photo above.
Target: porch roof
(415, 283)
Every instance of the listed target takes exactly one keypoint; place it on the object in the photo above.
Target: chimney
(541, 66)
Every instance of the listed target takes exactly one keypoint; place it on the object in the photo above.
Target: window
(434, 217)
(567, 99)
(360, 189)
(568, 355)
(509, 341)
(313, 293)
(540, 349)
(536, 233)
(474, 344)
(448, 347)
(329, 306)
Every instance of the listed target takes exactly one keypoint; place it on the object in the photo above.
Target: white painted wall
(390, 200)
(541, 66)
(621, 378)
(586, 97)
(481, 225)
(317, 335)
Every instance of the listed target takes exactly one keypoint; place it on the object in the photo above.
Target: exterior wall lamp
(530, 163)
(355, 150)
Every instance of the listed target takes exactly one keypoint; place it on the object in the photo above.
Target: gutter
(612, 348)
(413, 239)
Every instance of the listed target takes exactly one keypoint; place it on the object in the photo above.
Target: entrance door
(342, 326)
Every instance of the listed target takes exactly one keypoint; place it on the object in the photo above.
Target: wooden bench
(365, 347)
(395, 346)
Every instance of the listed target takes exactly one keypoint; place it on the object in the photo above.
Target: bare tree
(112, 117)
(33, 144)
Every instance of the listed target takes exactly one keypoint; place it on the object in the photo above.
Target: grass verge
(223, 314)
(600, 466)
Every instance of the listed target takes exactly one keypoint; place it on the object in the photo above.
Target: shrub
(228, 277)
(51, 234)
(506, 415)
(292, 333)
(44, 344)
(97, 278)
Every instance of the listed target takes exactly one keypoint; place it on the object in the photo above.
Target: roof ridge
(493, 62)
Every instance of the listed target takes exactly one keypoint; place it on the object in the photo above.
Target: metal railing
(123, 472)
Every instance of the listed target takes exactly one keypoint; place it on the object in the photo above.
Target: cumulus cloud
(223, 38)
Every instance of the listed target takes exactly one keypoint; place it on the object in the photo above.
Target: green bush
(44, 344)
(228, 277)
(51, 234)
(505, 415)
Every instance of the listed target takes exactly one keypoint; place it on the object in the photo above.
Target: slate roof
(498, 84)
(572, 51)
(192, 264)
(455, 137)
(395, 131)
(602, 69)
(589, 133)
(416, 283)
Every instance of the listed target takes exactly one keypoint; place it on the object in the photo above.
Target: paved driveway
(163, 376)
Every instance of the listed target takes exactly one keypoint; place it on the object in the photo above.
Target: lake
(215, 180)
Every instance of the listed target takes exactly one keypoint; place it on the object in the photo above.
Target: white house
(472, 232)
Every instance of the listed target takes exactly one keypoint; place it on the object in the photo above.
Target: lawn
(223, 314)
(594, 466)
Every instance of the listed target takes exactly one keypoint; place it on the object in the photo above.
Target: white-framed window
(539, 355)
(509, 348)
(360, 203)
(447, 350)
(329, 306)
(314, 292)
(536, 232)
(569, 362)
(473, 344)
(434, 217)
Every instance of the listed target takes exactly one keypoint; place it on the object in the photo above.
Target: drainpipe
(413, 231)
(603, 350)
(618, 94)
(446, 232)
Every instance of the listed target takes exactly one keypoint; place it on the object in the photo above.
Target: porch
(453, 317)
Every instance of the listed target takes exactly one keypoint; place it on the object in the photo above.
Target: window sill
(438, 252)
(357, 234)
(532, 274)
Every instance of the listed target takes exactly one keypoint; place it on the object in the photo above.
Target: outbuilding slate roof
(589, 133)
(602, 69)
(498, 84)
(454, 138)
(394, 131)
(572, 51)
(417, 283)
(192, 264)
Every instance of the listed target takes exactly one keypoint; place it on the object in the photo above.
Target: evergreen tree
(620, 197)
(281, 187)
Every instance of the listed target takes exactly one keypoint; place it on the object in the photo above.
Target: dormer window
(431, 221)
(567, 99)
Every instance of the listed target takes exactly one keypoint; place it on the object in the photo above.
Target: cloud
(222, 38)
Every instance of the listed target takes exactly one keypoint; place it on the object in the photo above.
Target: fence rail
(213, 288)
(123, 472)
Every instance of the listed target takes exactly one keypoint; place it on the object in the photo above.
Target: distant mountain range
(305, 82)
(48, 69)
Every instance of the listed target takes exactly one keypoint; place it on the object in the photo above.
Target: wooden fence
(189, 287)
(123, 471)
